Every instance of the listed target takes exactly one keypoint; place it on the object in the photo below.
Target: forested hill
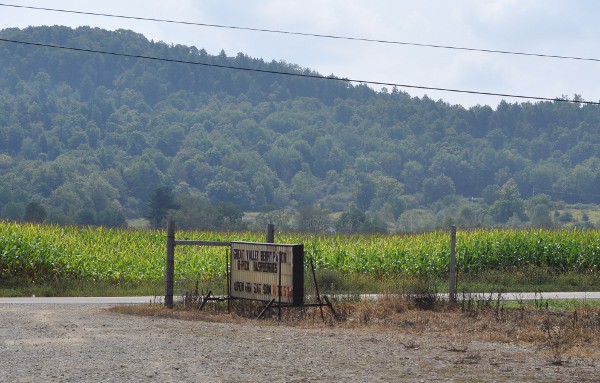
(93, 138)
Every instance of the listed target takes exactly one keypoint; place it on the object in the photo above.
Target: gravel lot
(89, 343)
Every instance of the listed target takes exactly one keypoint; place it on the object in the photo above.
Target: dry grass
(559, 334)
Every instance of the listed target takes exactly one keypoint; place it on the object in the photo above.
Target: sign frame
(265, 272)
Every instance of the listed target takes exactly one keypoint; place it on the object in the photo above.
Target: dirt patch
(90, 343)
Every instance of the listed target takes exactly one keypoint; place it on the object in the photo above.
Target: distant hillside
(88, 138)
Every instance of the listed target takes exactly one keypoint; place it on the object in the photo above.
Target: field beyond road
(67, 259)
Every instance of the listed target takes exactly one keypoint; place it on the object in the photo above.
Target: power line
(378, 83)
(305, 34)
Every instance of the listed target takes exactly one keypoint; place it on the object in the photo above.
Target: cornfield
(46, 252)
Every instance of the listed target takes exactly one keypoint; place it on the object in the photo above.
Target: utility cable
(304, 75)
(381, 41)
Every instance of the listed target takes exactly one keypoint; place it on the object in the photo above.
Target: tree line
(91, 139)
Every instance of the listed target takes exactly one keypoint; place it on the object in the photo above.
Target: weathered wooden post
(170, 267)
(452, 287)
(270, 233)
(270, 238)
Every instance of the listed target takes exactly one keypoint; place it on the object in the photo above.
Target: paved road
(550, 295)
(81, 300)
(152, 299)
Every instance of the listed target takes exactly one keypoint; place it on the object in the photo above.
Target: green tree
(437, 188)
(85, 216)
(351, 220)
(412, 174)
(230, 216)
(68, 198)
(303, 188)
(34, 212)
(313, 219)
(490, 194)
(197, 212)
(416, 220)
(111, 217)
(389, 194)
(286, 162)
(509, 203)
(161, 201)
(169, 139)
(374, 225)
(194, 212)
(227, 186)
(539, 208)
(13, 211)
(364, 191)
(142, 176)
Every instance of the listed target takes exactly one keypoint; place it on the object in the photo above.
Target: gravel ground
(89, 343)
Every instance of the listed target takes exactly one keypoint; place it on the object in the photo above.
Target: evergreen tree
(161, 201)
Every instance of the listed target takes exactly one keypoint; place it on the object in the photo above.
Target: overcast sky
(553, 27)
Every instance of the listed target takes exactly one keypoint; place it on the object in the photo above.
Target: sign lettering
(265, 271)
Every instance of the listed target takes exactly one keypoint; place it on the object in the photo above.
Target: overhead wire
(378, 83)
(304, 75)
(306, 34)
(314, 76)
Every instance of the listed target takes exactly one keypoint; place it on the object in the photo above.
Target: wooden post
(204, 300)
(335, 316)
(267, 307)
(452, 287)
(279, 289)
(312, 266)
(228, 271)
(270, 233)
(270, 238)
(170, 267)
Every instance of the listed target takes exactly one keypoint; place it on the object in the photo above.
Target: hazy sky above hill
(552, 27)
